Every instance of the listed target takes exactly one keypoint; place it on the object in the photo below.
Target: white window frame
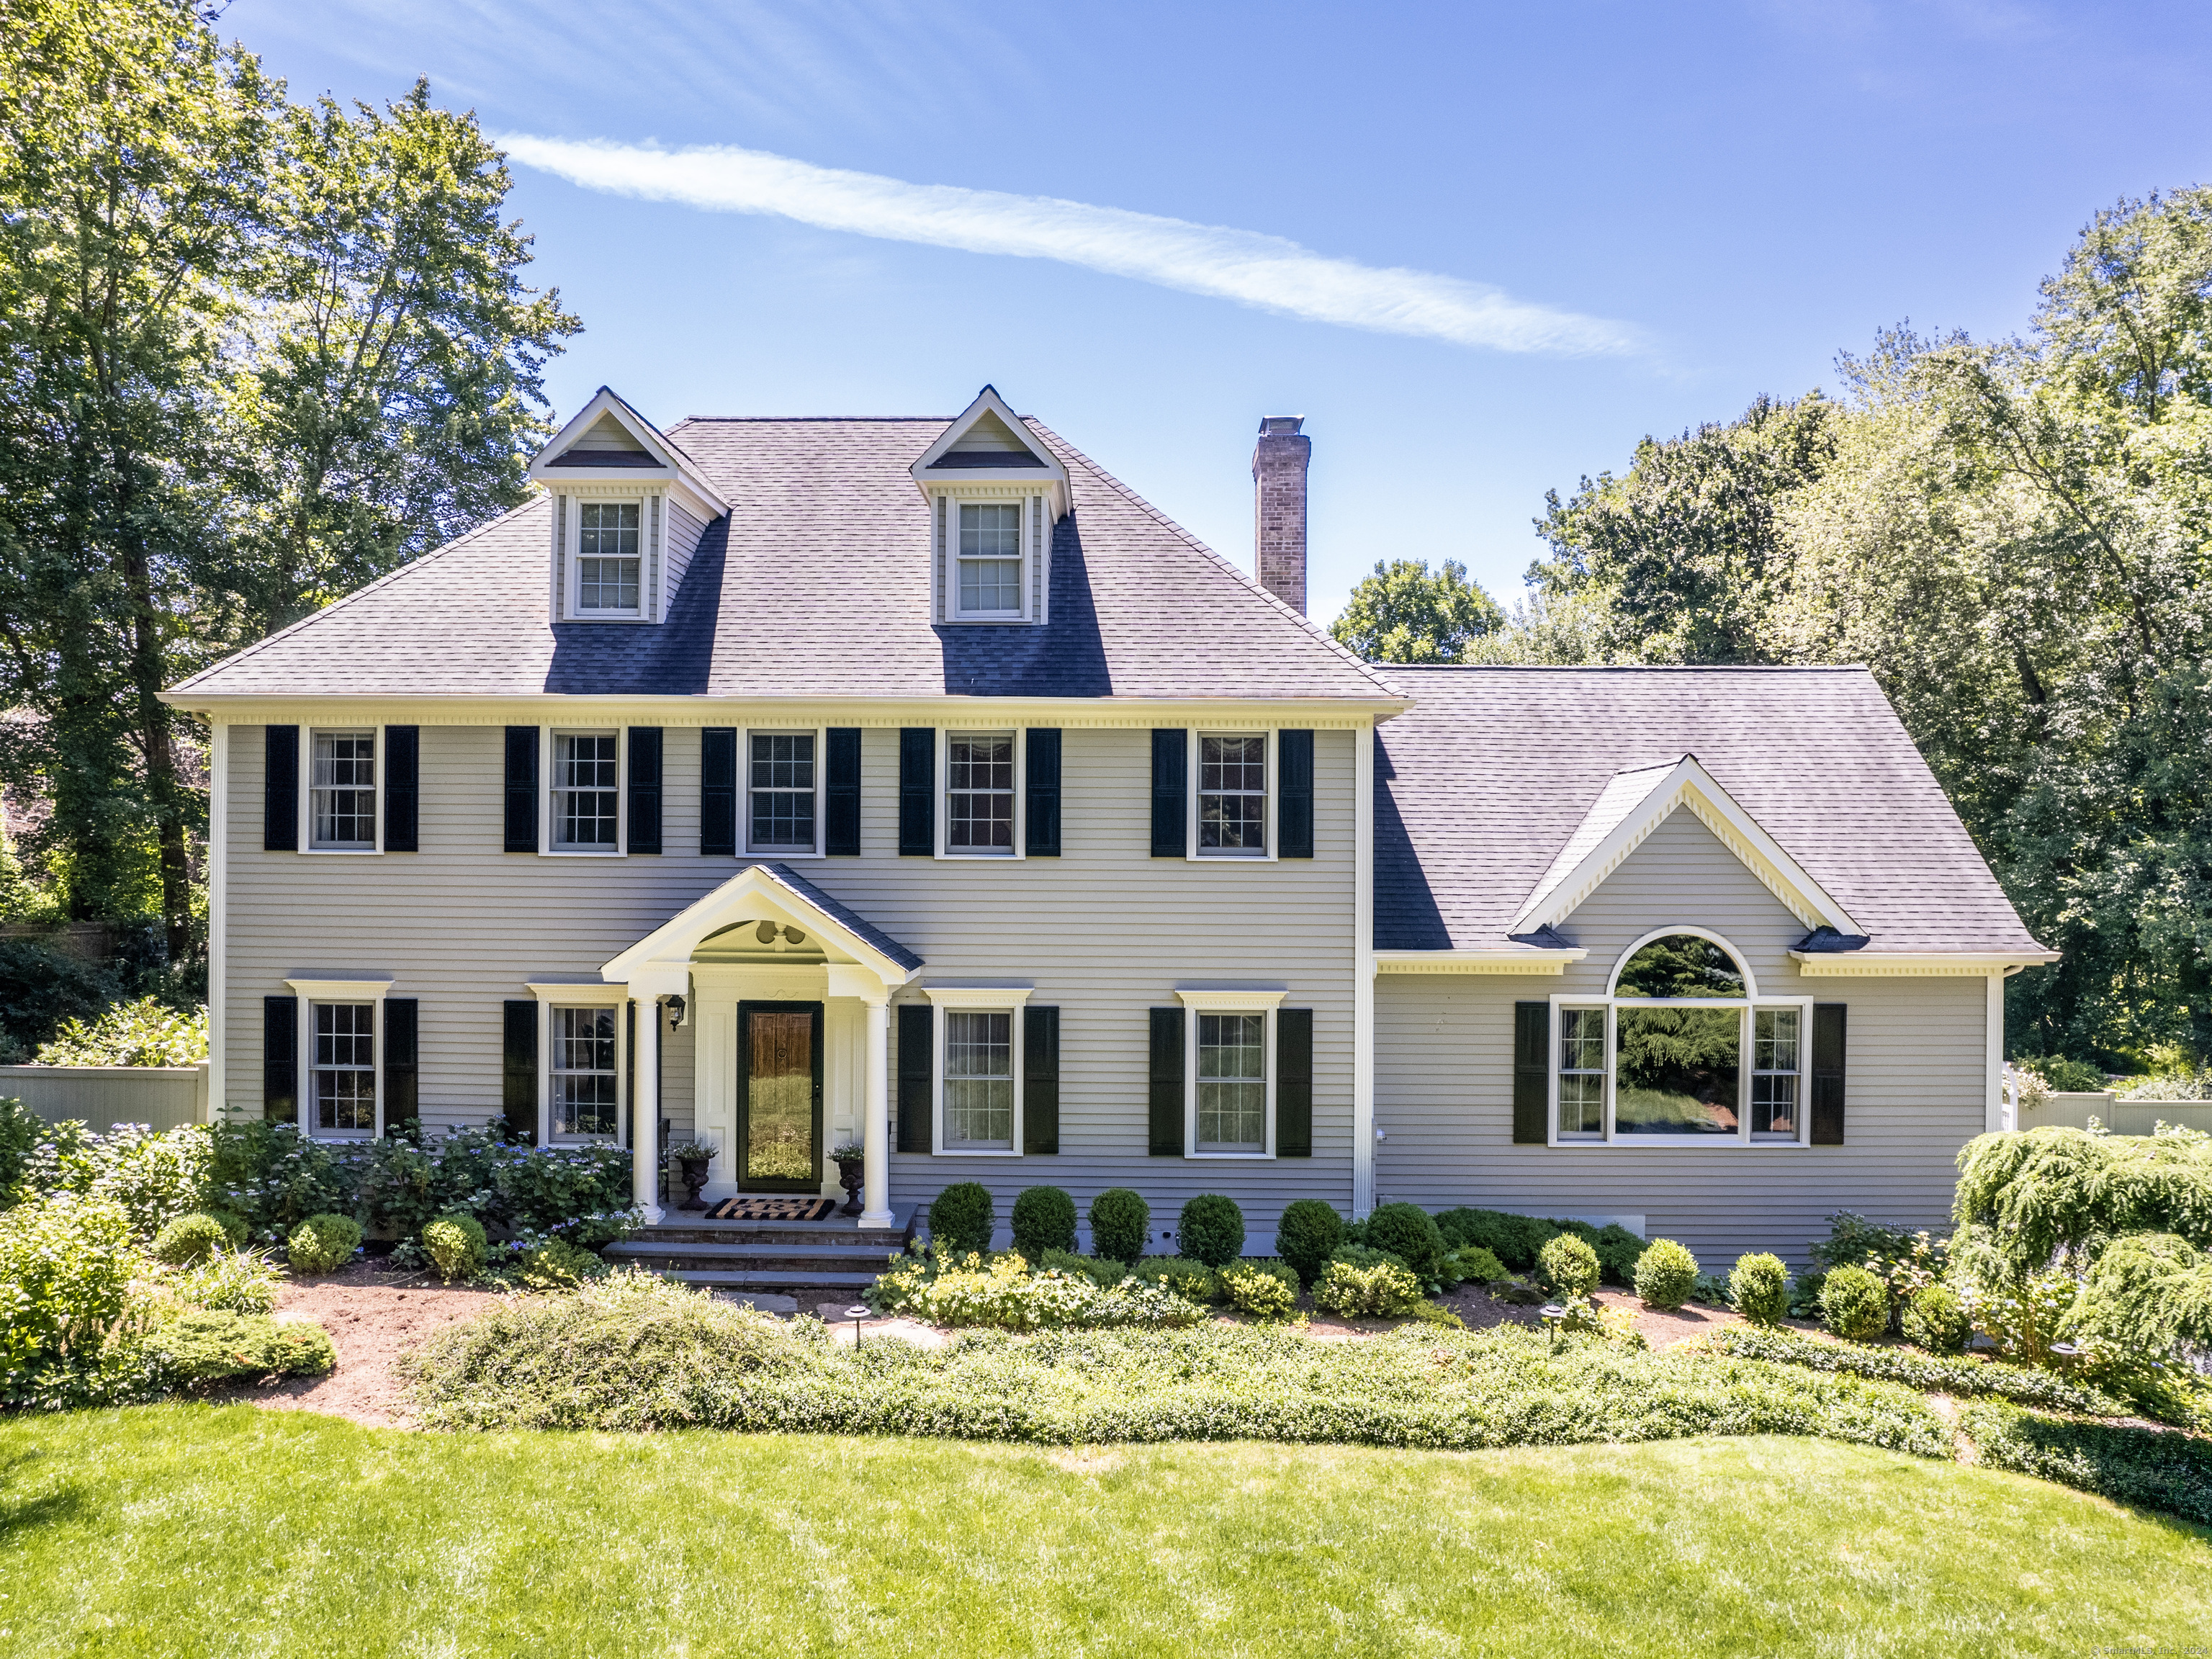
(1009, 999)
(1194, 741)
(1036, 532)
(571, 583)
(942, 813)
(745, 735)
(306, 774)
(1238, 1001)
(309, 991)
(551, 995)
(1746, 1005)
(548, 789)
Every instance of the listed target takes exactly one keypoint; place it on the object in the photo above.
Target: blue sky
(1483, 248)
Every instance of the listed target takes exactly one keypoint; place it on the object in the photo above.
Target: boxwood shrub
(1759, 1288)
(1410, 1233)
(186, 1238)
(1936, 1321)
(1045, 1220)
(1666, 1275)
(1568, 1265)
(1211, 1230)
(1855, 1304)
(1307, 1235)
(323, 1243)
(962, 1217)
(1121, 1222)
(455, 1245)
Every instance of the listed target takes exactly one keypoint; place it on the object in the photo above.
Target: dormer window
(995, 492)
(608, 559)
(991, 558)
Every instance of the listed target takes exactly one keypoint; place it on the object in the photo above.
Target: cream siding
(1914, 1080)
(684, 531)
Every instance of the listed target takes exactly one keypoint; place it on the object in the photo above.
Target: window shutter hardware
(518, 1070)
(280, 820)
(1828, 1034)
(1294, 1083)
(718, 792)
(1041, 834)
(1040, 1080)
(917, 1040)
(917, 792)
(403, 788)
(521, 789)
(1294, 805)
(280, 1054)
(841, 795)
(1167, 1080)
(1170, 793)
(644, 789)
(401, 1072)
(1532, 1072)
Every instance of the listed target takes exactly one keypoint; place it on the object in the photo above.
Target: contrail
(1269, 272)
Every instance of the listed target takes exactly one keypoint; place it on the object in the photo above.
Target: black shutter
(1294, 1083)
(917, 792)
(1532, 1072)
(841, 795)
(1828, 1073)
(718, 791)
(401, 1096)
(1041, 834)
(403, 788)
(1040, 1079)
(917, 1040)
(280, 813)
(1167, 1103)
(1170, 793)
(522, 788)
(519, 1071)
(279, 1059)
(644, 789)
(1294, 806)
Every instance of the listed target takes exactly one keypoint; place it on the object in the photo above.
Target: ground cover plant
(946, 1286)
(331, 1539)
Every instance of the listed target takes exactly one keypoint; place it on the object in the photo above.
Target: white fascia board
(1053, 474)
(1320, 714)
(736, 900)
(605, 403)
(1533, 959)
(1686, 783)
(1912, 965)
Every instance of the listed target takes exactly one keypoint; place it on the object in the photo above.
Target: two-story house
(784, 783)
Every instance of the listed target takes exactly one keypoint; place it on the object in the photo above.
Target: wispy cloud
(1252, 269)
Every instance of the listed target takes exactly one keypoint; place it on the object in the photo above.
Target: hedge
(2159, 1469)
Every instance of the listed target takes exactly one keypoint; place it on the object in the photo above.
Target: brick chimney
(1278, 507)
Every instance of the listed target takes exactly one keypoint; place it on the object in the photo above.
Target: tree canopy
(1402, 613)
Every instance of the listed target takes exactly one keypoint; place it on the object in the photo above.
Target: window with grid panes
(607, 559)
(1582, 1071)
(587, 790)
(1774, 1069)
(587, 1086)
(1232, 795)
(344, 1063)
(979, 787)
(990, 558)
(780, 789)
(1232, 1083)
(979, 1081)
(342, 781)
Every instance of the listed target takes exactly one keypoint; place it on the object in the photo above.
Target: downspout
(218, 1093)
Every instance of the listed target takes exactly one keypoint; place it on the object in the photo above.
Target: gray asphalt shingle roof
(817, 584)
(1481, 783)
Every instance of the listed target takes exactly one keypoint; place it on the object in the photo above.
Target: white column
(645, 1132)
(876, 1116)
(1993, 1101)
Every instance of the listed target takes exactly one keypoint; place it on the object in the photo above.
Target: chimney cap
(1281, 426)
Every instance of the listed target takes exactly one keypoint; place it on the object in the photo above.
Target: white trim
(686, 711)
(606, 402)
(745, 735)
(1645, 799)
(1993, 1115)
(218, 905)
(584, 994)
(1228, 999)
(1009, 999)
(1028, 509)
(309, 991)
(648, 525)
(662, 959)
(1911, 964)
(1052, 476)
(1362, 978)
(942, 811)
(1193, 739)
(1522, 959)
(306, 774)
(548, 787)
(1750, 984)
(342, 990)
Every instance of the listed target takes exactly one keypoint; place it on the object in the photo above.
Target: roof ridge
(1322, 635)
(1628, 667)
(794, 420)
(344, 599)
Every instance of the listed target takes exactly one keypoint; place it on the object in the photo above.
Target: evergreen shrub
(1264, 1290)
(557, 1265)
(1935, 1320)
(1410, 1233)
(1121, 1222)
(1211, 1230)
(1666, 1274)
(1472, 1263)
(1045, 1220)
(1568, 1265)
(187, 1238)
(1186, 1276)
(962, 1217)
(1759, 1288)
(1360, 1283)
(455, 1245)
(1307, 1235)
(202, 1346)
(1618, 1253)
(2169, 1472)
(323, 1243)
(1855, 1304)
(1102, 1271)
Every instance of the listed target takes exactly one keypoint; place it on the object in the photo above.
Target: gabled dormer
(629, 511)
(995, 493)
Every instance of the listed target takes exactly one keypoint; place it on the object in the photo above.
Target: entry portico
(766, 960)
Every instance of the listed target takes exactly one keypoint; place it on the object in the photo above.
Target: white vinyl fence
(2121, 1117)
(160, 1096)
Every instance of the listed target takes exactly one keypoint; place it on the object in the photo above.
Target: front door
(780, 1096)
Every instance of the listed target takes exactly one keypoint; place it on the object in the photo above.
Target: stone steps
(799, 1259)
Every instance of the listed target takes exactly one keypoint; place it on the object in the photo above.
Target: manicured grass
(200, 1530)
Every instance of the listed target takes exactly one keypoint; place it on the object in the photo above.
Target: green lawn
(183, 1530)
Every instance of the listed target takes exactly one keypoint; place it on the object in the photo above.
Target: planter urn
(694, 1175)
(851, 1172)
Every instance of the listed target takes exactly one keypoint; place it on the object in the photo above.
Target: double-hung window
(1681, 1048)
(979, 1080)
(779, 791)
(988, 563)
(608, 559)
(1232, 796)
(979, 792)
(1232, 1083)
(342, 1068)
(587, 1075)
(586, 796)
(342, 791)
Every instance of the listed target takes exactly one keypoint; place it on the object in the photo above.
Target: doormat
(753, 1207)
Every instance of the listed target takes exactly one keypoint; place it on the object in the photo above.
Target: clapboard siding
(1916, 1080)
(683, 534)
(1103, 931)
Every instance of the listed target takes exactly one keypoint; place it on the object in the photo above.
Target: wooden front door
(780, 1096)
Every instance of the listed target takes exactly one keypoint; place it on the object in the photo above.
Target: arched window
(1682, 1047)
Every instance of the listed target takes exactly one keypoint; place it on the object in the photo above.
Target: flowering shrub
(1366, 1284)
(66, 1266)
(2022, 1316)
(146, 1032)
(963, 1288)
